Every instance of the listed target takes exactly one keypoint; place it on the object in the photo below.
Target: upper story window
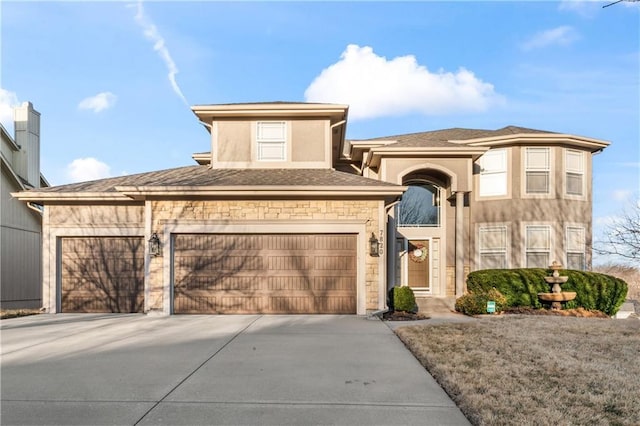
(420, 206)
(271, 137)
(493, 173)
(574, 168)
(575, 248)
(537, 246)
(537, 170)
(493, 247)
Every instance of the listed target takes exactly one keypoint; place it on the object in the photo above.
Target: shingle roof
(441, 138)
(203, 176)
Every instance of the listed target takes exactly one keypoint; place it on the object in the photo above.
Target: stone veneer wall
(289, 211)
(451, 280)
(95, 216)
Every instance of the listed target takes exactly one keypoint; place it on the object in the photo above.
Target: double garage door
(265, 273)
(216, 273)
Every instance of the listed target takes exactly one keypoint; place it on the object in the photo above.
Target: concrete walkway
(190, 370)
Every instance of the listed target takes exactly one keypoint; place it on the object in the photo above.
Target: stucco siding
(309, 140)
(458, 169)
(234, 141)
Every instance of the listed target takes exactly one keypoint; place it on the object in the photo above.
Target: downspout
(339, 123)
(35, 207)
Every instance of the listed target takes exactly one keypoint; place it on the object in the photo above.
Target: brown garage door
(102, 274)
(276, 274)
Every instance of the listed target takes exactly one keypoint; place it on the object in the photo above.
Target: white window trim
(507, 253)
(403, 257)
(440, 194)
(549, 170)
(552, 245)
(283, 143)
(567, 251)
(505, 172)
(580, 172)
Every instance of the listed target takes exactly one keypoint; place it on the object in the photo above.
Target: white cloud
(374, 87)
(584, 8)
(99, 102)
(605, 221)
(152, 34)
(83, 169)
(562, 36)
(621, 194)
(8, 100)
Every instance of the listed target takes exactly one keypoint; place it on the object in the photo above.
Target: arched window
(420, 205)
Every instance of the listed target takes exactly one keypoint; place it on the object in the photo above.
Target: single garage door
(275, 274)
(102, 274)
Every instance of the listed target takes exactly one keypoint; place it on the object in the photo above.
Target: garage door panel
(102, 274)
(298, 273)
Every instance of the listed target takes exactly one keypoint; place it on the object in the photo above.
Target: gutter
(35, 207)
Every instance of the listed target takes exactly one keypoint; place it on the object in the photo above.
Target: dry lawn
(535, 370)
(15, 313)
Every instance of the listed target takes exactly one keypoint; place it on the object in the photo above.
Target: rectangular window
(493, 173)
(493, 247)
(574, 164)
(538, 246)
(575, 247)
(271, 137)
(537, 170)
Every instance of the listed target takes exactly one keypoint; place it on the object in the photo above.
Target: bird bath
(557, 296)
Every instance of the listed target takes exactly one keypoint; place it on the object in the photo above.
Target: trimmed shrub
(476, 303)
(521, 287)
(404, 299)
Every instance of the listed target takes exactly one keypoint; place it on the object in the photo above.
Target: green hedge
(403, 299)
(521, 287)
(476, 303)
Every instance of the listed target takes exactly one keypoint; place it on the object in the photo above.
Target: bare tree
(622, 236)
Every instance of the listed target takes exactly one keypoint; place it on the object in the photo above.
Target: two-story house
(20, 223)
(285, 215)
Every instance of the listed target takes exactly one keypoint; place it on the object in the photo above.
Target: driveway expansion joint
(196, 369)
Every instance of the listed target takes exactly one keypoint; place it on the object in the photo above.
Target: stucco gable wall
(309, 141)
(459, 168)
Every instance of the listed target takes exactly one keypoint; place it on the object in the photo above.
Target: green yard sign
(491, 307)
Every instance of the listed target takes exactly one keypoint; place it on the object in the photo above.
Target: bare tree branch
(622, 236)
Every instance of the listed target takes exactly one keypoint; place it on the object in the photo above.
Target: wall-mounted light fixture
(374, 246)
(154, 245)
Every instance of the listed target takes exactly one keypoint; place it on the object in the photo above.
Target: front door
(418, 265)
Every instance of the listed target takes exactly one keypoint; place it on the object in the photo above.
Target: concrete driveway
(189, 370)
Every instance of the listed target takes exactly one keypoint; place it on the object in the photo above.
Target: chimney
(27, 136)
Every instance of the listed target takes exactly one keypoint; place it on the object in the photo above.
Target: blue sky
(113, 80)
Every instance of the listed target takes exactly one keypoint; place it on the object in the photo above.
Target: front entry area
(264, 273)
(418, 265)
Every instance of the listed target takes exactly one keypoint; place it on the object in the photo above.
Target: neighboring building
(285, 215)
(21, 223)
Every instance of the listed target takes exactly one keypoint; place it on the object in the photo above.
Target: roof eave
(142, 192)
(13, 174)
(537, 139)
(204, 112)
(35, 196)
(375, 155)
